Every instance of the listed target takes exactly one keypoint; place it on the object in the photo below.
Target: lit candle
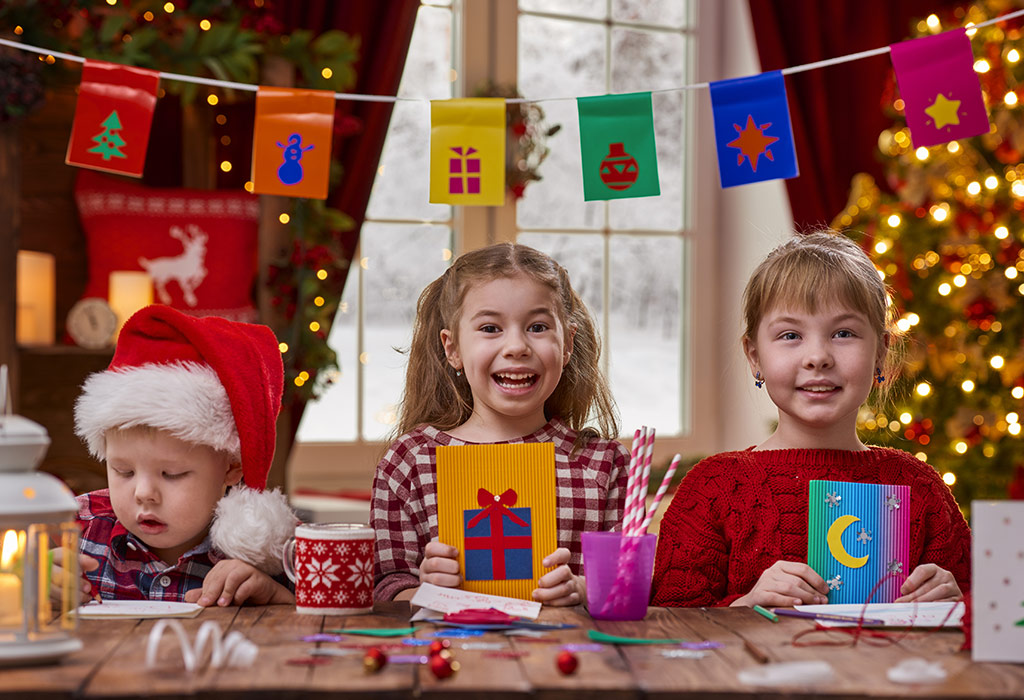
(129, 292)
(10, 583)
(36, 298)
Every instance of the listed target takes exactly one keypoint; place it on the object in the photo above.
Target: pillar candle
(36, 298)
(129, 292)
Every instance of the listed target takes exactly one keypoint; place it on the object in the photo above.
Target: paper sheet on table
(111, 609)
(892, 614)
(452, 600)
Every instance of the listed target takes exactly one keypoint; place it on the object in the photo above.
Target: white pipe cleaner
(234, 650)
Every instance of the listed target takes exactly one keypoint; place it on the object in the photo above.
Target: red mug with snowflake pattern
(331, 565)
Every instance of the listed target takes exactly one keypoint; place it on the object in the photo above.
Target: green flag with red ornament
(620, 158)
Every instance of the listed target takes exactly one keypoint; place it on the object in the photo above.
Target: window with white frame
(628, 259)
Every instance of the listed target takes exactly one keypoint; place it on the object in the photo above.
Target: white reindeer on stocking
(186, 269)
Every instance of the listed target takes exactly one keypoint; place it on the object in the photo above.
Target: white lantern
(37, 516)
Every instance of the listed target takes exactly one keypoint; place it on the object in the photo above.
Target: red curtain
(836, 111)
(384, 30)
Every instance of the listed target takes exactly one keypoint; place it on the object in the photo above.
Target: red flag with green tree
(113, 118)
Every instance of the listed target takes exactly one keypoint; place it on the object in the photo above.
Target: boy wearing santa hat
(185, 412)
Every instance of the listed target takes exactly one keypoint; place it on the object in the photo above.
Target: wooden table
(112, 664)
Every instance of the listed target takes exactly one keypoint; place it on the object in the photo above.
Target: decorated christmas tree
(947, 232)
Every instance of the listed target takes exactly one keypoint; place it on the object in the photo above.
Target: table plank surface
(499, 667)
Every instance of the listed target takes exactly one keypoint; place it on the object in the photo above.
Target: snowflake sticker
(835, 582)
(894, 567)
(833, 499)
(864, 536)
(322, 572)
(362, 573)
(892, 502)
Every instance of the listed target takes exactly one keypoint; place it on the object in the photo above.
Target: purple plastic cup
(618, 572)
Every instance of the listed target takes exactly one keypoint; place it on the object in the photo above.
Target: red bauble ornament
(567, 663)
(442, 666)
(439, 645)
(619, 170)
(374, 660)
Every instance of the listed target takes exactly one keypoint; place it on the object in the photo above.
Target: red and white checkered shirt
(590, 489)
(128, 569)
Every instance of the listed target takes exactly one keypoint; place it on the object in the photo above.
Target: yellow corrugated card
(496, 505)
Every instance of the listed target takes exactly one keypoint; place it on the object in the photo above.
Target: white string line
(353, 97)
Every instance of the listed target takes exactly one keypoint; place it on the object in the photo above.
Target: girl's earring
(458, 373)
(758, 380)
(879, 377)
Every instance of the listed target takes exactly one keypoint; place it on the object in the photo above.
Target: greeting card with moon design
(858, 537)
(496, 505)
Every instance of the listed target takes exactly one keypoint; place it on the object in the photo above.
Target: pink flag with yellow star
(940, 89)
(753, 132)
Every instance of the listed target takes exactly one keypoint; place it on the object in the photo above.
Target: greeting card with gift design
(858, 539)
(496, 505)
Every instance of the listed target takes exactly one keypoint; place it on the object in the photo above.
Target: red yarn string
(860, 633)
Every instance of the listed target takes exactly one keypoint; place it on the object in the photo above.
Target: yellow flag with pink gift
(467, 151)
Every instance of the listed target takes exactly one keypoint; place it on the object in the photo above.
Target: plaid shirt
(590, 490)
(128, 570)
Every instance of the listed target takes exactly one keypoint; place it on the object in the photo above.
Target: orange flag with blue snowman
(291, 143)
(467, 151)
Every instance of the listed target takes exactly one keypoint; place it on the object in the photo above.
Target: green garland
(227, 41)
(949, 242)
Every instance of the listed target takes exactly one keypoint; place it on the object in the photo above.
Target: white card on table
(892, 614)
(997, 581)
(111, 609)
(452, 600)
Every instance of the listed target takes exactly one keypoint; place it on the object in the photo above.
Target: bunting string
(355, 97)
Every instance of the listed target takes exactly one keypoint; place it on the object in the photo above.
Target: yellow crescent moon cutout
(835, 546)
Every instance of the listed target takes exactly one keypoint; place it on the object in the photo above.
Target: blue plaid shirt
(128, 570)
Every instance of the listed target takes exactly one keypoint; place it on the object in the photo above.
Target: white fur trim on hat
(253, 526)
(184, 398)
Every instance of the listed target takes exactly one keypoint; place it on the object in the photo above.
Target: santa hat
(207, 381)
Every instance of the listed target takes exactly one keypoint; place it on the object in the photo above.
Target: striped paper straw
(661, 492)
(630, 478)
(632, 497)
(640, 502)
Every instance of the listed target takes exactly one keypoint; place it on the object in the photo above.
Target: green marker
(766, 613)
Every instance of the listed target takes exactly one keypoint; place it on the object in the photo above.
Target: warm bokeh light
(284, 218)
(967, 386)
(991, 182)
(945, 289)
(894, 220)
(921, 153)
(949, 478)
(225, 165)
(974, 188)
(923, 389)
(1001, 232)
(997, 361)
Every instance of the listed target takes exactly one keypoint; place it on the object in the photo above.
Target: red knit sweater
(737, 513)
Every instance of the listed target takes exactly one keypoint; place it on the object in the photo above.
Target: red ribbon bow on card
(498, 505)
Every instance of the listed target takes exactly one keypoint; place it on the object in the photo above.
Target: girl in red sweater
(818, 335)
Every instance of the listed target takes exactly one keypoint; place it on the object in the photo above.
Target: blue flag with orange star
(753, 133)
(939, 87)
